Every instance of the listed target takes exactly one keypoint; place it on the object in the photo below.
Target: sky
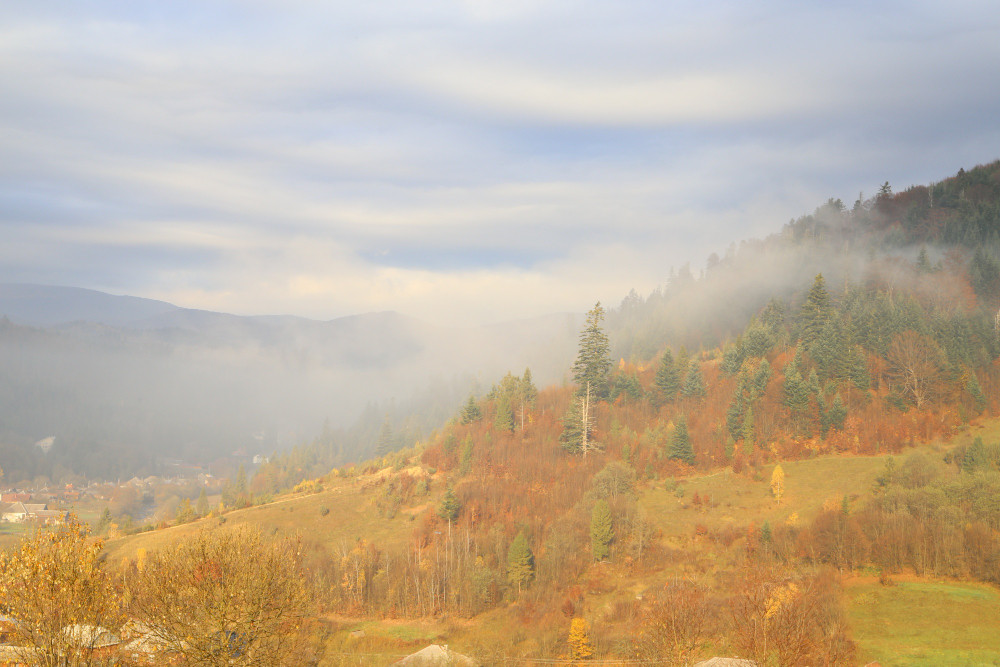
(464, 161)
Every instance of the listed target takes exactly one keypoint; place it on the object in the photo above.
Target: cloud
(458, 159)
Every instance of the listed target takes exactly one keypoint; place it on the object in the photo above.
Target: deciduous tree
(225, 598)
(56, 588)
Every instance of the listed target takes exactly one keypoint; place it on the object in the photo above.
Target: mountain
(45, 306)
(122, 382)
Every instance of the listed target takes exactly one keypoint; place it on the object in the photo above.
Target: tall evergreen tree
(527, 396)
(450, 506)
(520, 562)
(680, 443)
(601, 530)
(503, 418)
(578, 426)
(593, 362)
(471, 412)
(386, 439)
(816, 310)
(201, 507)
(668, 378)
(694, 383)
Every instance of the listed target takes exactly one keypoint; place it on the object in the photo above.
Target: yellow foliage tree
(63, 601)
(228, 597)
(778, 482)
(579, 639)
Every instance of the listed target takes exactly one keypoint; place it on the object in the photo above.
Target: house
(14, 513)
(21, 512)
(91, 640)
(436, 655)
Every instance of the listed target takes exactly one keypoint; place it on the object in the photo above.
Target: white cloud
(466, 159)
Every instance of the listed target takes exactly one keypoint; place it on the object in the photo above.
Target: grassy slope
(351, 516)
(914, 622)
(920, 622)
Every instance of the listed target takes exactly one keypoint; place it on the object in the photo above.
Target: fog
(200, 386)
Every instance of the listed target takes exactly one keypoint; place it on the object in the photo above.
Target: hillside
(804, 485)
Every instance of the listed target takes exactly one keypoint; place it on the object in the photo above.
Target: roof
(15, 508)
(435, 655)
(90, 636)
(726, 662)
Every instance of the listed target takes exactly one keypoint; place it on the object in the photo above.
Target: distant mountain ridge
(120, 381)
(46, 306)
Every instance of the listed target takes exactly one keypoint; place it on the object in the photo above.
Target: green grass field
(925, 623)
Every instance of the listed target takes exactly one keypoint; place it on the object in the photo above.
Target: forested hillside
(540, 501)
(764, 492)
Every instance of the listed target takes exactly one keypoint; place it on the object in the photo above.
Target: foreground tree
(54, 585)
(225, 598)
(676, 624)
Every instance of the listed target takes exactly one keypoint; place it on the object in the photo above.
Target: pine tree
(503, 418)
(465, 459)
(241, 481)
(747, 431)
(668, 379)
(449, 507)
(520, 562)
(105, 522)
(471, 412)
(201, 507)
(816, 310)
(593, 362)
(386, 439)
(923, 261)
(185, 513)
(528, 395)
(601, 532)
(680, 443)
(694, 383)
(975, 391)
(578, 426)
(975, 456)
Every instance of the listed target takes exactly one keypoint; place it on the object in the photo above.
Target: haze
(457, 161)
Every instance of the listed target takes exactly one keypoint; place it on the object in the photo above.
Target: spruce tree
(593, 362)
(449, 507)
(668, 379)
(694, 383)
(503, 418)
(520, 562)
(578, 426)
(816, 310)
(975, 457)
(601, 531)
(471, 412)
(386, 439)
(680, 443)
(201, 507)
